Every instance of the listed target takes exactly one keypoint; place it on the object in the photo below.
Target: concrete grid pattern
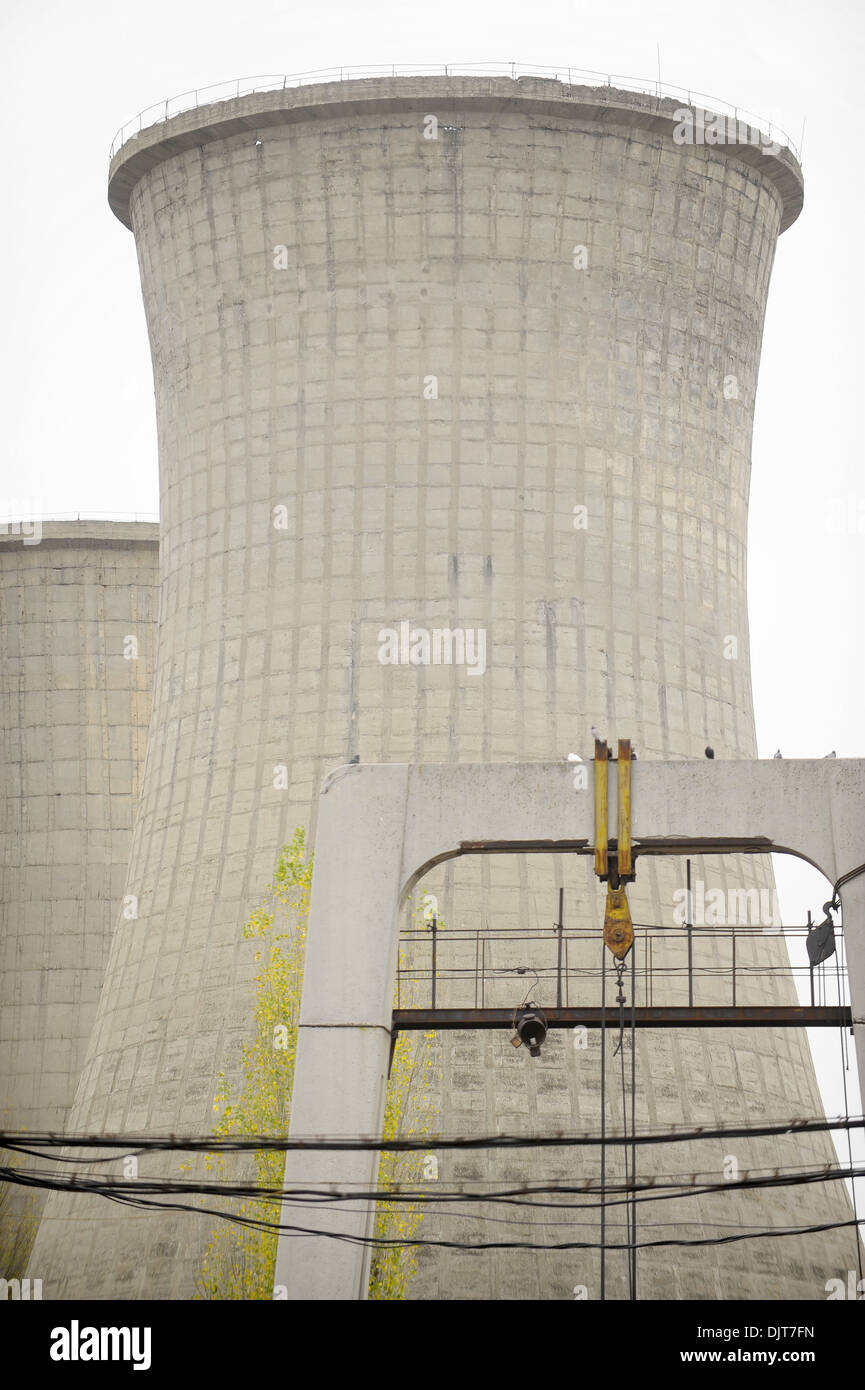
(447, 503)
(74, 712)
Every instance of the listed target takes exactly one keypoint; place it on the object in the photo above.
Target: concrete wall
(74, 713)
(303, 388)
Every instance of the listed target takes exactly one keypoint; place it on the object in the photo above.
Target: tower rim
(83, 529)
(537, 96)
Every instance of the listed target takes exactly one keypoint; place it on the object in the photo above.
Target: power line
(283, 1228)
(135, 1188)
(131, 1143)
(127, 1198)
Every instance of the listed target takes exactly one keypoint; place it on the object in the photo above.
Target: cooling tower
(77, 630)
(463, 354)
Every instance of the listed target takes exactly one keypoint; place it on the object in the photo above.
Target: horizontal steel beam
(711, 1016)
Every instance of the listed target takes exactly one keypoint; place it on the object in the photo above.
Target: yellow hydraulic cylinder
(625, 859)
(600, 808)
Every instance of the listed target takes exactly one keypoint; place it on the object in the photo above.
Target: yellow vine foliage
(19, 1219)
(239, 1261)
(392, 1266)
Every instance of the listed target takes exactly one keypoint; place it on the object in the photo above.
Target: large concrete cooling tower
(403, 330)
(77, 632)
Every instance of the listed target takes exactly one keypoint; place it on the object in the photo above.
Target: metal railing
(249, 86)
(446, 967)
(20, 517)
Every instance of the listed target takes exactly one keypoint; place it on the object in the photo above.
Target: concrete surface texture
(74, 709)
(464, 354)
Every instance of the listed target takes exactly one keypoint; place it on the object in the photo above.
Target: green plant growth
(239, 1261)
(19, 1221)
(392, 1266)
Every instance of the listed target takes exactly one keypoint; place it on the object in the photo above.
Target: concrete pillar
(344, 1036)
(852, 897)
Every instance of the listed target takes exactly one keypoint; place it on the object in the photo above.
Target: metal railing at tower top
(582, 77)
(17, 517)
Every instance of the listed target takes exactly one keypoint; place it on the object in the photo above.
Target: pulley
(618, 928)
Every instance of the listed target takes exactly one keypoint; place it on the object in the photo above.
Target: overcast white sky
(78, 423)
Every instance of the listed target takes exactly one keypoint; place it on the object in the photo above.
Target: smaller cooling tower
(77, 627)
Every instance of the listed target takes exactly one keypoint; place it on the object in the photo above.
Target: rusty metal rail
(743, 1016)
